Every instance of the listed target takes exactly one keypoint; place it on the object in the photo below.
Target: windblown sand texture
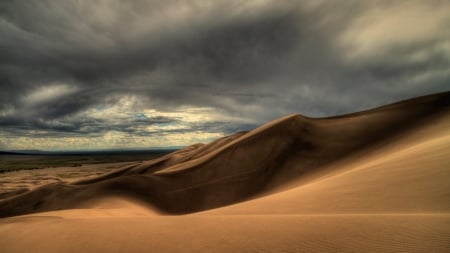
(373, 181)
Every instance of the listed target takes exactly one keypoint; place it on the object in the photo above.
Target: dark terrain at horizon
(12, 161)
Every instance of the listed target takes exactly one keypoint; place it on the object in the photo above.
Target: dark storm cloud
(248, 59)
(47, 41)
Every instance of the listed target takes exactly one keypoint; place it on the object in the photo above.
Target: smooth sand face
(391, 198)
(237, 233)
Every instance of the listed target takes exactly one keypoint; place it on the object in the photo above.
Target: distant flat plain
(23, 172)
(19, 161)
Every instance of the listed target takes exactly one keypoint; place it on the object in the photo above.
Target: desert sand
(23, 180)
(372, 181)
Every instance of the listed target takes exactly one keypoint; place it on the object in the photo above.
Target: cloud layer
(114, 74)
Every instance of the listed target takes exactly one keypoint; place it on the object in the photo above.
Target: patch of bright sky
(48, 93)
(110, 140)
(382, 29)
(125, 111)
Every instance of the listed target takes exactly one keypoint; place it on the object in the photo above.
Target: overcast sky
(133, 74)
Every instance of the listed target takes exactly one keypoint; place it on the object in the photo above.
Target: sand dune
(407, 176)
(373, 181)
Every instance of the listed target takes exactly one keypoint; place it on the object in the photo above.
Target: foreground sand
(239, 233)
(392, 197)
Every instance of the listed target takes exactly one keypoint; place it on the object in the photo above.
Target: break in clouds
(118, 74)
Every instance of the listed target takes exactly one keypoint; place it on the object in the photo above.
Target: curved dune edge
(408, 176)
(241, 166)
